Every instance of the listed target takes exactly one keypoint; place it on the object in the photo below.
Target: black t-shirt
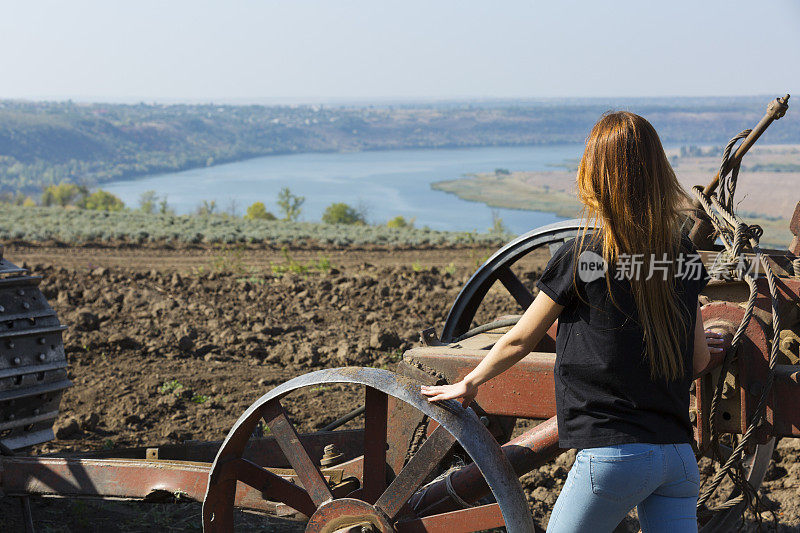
(604, 392)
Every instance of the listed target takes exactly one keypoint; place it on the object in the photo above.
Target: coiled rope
(736, 236)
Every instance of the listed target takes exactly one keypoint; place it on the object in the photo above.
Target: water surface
(387, 183)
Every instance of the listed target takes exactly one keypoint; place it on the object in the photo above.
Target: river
(386, 183)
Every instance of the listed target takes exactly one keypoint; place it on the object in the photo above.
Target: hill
(46, 142)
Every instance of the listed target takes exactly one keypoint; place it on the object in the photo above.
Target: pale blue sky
(256, 50)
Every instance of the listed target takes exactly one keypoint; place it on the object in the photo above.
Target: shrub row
(78, 225)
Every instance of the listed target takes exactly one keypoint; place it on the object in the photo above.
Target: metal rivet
(21, 292)
(485, 421)
(2, 309)
(16, 360)
(36, 411)
(42, 340)
(42, 357)
(26, 305)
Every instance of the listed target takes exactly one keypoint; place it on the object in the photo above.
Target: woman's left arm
(506, 352)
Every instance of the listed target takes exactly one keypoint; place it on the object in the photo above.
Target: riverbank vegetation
(765, 192)
(71, 213)
(71, 225)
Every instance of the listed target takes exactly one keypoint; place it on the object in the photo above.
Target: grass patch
(290, 265)
(170, 387)
(199, 398)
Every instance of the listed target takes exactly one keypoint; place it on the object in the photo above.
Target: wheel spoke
(414, 473)
(374, 478)
(554, 246)
(286, 436)
(272, 486)
(511, 282)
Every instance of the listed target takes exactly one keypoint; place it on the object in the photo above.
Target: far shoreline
(766, 170)
(143, 175)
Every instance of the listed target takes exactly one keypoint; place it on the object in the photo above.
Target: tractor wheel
(498, 268)
(378, 500)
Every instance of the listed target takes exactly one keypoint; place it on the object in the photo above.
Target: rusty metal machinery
(33, 368)
(380, 501)
(416, 466)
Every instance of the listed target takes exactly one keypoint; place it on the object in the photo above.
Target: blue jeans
(604, 484)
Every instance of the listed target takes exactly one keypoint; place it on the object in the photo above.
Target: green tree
(498, 227)
(206, 208)
(341, 213)
(258, 211)
(63, 194)
(101, 200)
(147, 202)
(400, 222)
(164, 208)
(290, 204)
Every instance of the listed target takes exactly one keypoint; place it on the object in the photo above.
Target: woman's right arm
(706, 342)
(506, 352)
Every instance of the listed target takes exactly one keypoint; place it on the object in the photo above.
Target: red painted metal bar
(123, 478)
(526, 452)
(375, 418)
(120, 478)
(307, 470)
(461, 521)
(528, 391)
(262, 451)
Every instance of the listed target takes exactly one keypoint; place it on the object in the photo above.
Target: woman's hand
(462, 389)
(716, 341)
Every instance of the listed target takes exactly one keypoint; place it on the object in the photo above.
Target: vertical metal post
(25, 501)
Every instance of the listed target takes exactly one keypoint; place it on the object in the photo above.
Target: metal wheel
(33, 367)
(756, 465)
(374, 505)
(498, 267)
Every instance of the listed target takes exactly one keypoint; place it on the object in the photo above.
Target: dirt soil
(172, 345)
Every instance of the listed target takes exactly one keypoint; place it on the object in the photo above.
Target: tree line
(290, 205)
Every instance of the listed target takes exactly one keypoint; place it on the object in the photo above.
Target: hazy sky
(298, 50)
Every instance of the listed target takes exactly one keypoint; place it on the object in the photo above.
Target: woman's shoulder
(576, 245)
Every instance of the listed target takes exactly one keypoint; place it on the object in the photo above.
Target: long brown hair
(630, 193)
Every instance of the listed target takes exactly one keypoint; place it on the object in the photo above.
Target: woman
(630, 338)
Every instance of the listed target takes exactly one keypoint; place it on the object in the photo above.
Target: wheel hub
(348, 515)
